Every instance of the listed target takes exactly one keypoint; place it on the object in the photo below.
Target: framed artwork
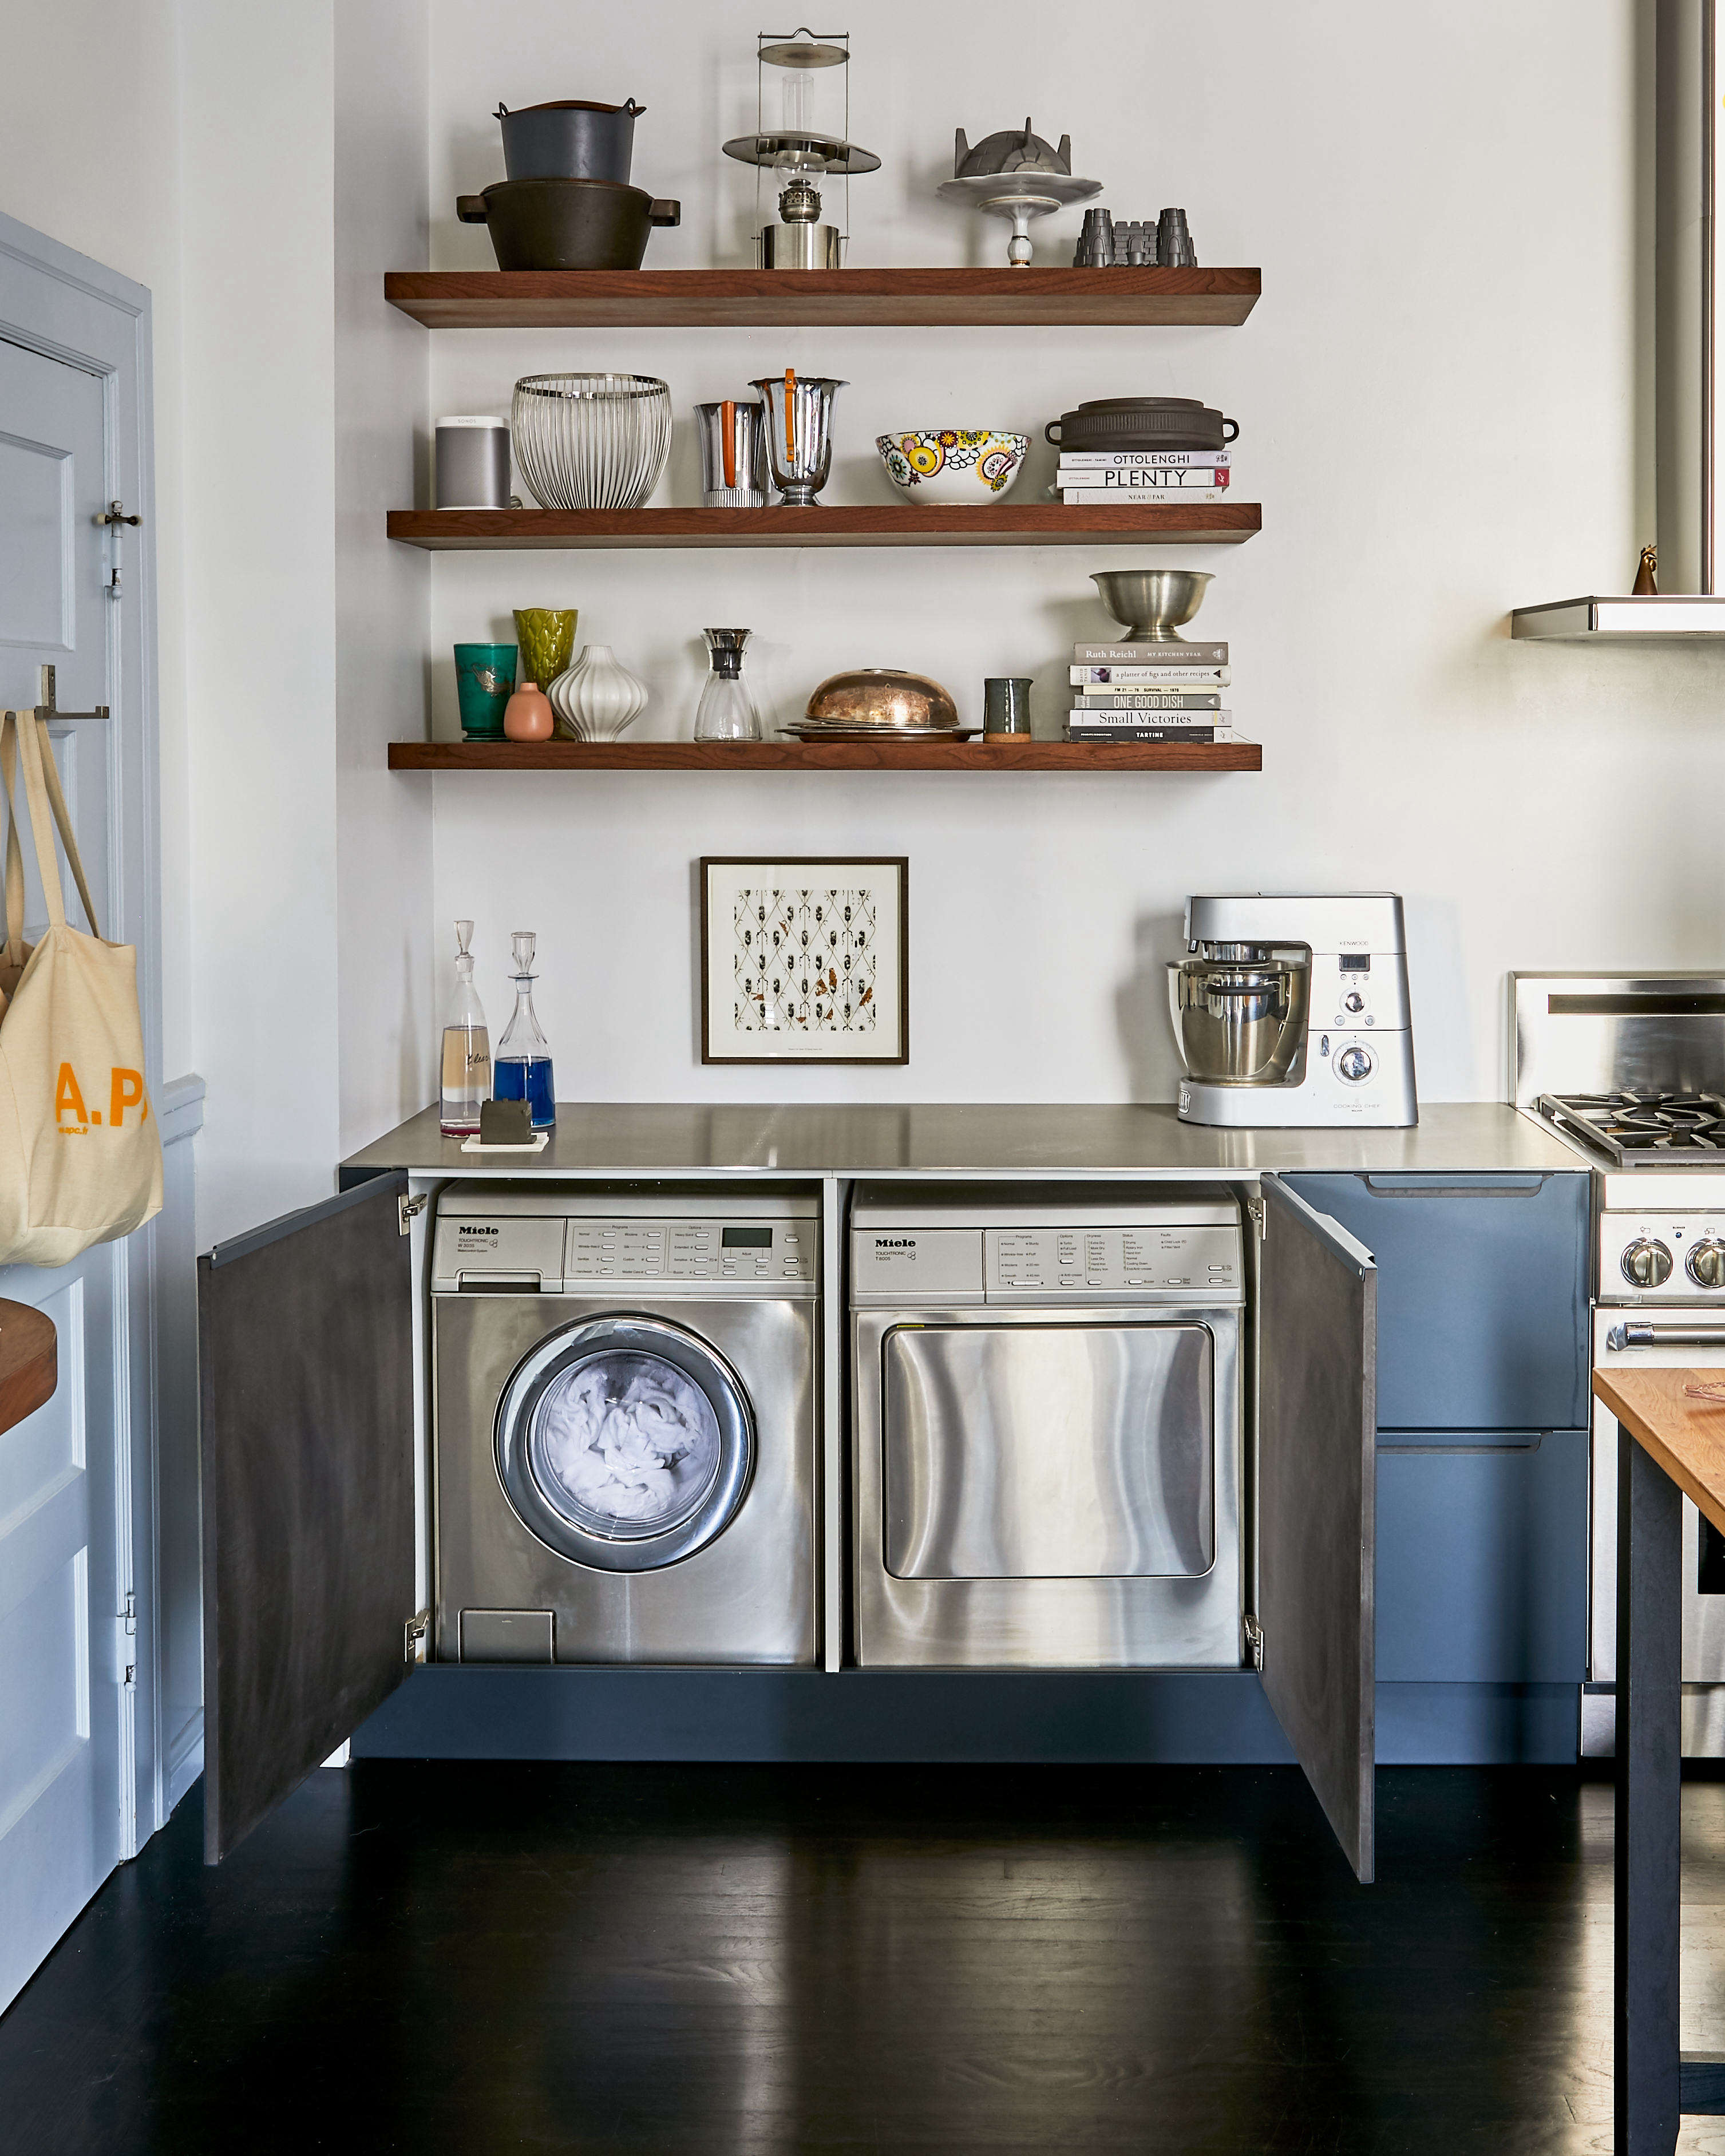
(805, 960)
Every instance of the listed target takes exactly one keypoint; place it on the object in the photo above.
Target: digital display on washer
(745, 1239)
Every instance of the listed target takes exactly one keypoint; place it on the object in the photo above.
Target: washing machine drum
(625, 1443)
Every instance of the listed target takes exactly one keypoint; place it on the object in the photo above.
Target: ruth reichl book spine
(1171, 651)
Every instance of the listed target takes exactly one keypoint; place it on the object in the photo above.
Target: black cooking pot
(1142, 423)
(567, 224)
(573, 139)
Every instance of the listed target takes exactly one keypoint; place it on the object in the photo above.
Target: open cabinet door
(306, 1348)
(1317, 1365)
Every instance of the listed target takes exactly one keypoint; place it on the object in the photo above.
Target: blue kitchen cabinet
(1483, 1354)
(1482, 1295)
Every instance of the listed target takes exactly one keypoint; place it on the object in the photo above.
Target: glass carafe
(522, 1070)
(727, 711)
(466, 1081)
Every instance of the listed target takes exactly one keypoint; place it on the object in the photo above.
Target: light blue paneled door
(65, 1650)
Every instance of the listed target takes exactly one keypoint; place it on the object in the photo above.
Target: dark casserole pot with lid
(1142, 423)
(567, 224)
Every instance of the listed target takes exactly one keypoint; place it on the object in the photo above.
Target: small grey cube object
(472, 468)
(506, 1122)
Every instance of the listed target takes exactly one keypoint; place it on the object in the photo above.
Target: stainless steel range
(1631, 1069)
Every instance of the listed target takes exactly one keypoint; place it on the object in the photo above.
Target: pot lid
(1012, 150)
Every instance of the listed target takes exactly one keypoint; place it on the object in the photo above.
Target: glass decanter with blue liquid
(521, 1069)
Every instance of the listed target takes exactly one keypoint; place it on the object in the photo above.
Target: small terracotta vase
(527, 716)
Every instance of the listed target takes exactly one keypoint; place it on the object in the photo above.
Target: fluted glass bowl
(591, 441)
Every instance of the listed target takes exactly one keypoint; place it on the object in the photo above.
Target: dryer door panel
(1030, 1451)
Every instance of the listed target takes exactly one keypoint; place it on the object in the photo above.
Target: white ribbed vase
(597, 699)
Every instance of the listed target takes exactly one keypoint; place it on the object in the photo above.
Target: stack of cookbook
(1150, 692)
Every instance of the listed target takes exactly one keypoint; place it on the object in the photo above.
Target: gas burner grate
(1643, 1125)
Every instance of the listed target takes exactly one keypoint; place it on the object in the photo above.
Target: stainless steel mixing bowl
(1152, 604)
(1239, 1020)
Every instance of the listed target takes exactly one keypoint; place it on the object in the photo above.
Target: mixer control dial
(1706, 1263)
(1647, 1263)
(1356, 1064)
(1354, 1001)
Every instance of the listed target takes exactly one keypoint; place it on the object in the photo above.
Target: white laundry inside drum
(623, 1446)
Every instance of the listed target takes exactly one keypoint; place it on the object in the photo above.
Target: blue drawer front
(1482, 1295)
(1481, 1574)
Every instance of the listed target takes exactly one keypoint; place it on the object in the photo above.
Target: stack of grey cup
(1105, 244)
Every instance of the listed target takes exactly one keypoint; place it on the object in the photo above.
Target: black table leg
(1649, 1671)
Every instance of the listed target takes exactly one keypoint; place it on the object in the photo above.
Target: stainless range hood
(1687, 109)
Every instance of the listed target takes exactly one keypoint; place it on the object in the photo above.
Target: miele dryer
(1047, 1426)
(624, 1408)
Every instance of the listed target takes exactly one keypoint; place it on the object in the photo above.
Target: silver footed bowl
(1153, 605)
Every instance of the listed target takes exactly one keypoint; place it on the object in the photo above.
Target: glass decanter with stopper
(522, 1069)
(727, 711)
(466, 1081)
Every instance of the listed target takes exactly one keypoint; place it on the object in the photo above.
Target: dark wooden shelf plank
(840, 299)
(29, 1361)
(1034, 524)
(824, 756)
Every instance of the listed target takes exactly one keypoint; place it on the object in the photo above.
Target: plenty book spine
(1171, 651)
(1143, 459)
(1150, 699)
(1141, 481)
(1092, 678)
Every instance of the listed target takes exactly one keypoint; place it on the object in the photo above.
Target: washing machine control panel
(745, 1252)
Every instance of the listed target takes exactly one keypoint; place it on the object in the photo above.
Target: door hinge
(416, 1635)
(1254, 1641)
(1255, 1207)
(406, 1207)
(125, 1628)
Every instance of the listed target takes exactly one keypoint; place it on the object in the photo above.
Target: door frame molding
(58, 302)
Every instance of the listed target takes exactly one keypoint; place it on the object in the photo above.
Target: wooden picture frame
(850, 913)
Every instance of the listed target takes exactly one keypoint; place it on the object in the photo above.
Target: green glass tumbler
(484, 682)
(546, 635)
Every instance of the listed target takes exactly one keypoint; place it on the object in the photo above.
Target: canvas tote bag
(80, 1158)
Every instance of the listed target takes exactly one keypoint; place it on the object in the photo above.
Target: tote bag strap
(14, 952)
(42, 795)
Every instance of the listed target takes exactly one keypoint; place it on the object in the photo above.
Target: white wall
(1441, 413)
(383, 385)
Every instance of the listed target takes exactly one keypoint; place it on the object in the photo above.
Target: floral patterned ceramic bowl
(942, 465)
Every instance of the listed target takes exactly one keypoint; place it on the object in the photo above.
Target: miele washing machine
(625, 1418)
(1047, 1426)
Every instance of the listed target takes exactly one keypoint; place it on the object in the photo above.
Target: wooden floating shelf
(1037, 524)
(825, 755)
(835, 298)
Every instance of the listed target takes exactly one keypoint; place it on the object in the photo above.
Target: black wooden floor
(463, 1959)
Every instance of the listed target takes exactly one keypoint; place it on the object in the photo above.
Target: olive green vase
(546, 637)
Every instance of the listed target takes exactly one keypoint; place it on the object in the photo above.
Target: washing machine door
(624, 1443)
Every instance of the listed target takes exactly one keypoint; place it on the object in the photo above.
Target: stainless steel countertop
(989, 1139)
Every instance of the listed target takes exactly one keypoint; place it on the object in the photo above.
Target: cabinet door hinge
(1254, 1641)
(1258, 1210)
(406, 1207)
(416, 1633)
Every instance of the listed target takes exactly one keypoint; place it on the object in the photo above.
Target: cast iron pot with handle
(572, 138)
(1142, 423)
(567, 224)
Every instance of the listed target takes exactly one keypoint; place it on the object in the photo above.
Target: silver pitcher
(733, 456)
(798, 409)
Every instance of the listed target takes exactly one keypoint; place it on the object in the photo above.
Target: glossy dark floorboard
(454, 1959)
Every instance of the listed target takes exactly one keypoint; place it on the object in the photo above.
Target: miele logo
(475, 1235)
(894, 1242)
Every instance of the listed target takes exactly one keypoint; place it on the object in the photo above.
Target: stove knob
(1646, 1264)
(1354, 1001)
(1354, 1063)
(1706, 1263)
